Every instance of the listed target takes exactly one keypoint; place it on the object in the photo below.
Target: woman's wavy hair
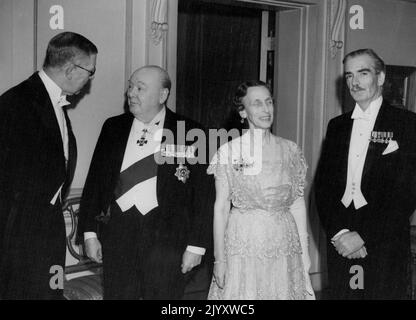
(242, 89)
(234, 119)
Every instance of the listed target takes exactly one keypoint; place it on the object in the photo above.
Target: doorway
(219, 46)
(299, 67)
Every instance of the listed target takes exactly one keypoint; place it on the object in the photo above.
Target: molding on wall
(128, 41)
(303, 76)
(156, 32)
(336, 11)
(138, 39)
(161, 39)
(172, 49)
(159, 21)
(338, 8)
(35, 35)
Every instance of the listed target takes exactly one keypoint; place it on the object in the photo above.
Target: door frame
(319, 40)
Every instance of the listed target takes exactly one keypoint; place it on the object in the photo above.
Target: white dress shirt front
(144, 195)
(360, 140)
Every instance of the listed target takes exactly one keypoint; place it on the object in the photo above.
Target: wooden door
(218, 48)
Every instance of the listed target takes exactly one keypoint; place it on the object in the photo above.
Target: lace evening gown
(262, 247)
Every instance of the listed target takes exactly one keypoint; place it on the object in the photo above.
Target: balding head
(148, 92)
(161, 73)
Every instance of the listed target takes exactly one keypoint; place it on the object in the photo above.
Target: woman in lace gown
(260, 232)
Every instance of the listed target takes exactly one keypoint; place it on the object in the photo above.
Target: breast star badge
(182, 172)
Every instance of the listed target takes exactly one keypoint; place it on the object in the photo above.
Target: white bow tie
(359, 114)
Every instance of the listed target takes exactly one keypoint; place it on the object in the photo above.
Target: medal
(381, 136)
(142, 141)
(178, 151)
(182, 173)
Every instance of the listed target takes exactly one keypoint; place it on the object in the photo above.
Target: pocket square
(392, 146)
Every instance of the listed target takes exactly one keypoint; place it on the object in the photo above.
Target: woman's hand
(219, 273)
(309, 289)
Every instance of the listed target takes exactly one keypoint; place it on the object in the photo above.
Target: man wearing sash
(366, 188)
(157, 199)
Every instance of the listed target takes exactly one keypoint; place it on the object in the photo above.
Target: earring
(242, 120)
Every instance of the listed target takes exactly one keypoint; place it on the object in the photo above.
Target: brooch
(240, 165)
(381, 136)
(182, 172)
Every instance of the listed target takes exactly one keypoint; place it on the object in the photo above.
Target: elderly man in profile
(159, 225)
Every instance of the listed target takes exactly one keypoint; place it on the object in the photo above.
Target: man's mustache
(356, 88)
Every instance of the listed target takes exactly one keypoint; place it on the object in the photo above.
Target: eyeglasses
(91, 72)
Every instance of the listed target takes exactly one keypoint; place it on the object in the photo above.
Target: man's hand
(93, 250)
(190, 260)
(362, 253)
(348, 243)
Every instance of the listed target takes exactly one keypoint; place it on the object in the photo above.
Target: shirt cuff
(339, 234)
(89, 235)
(196, 250)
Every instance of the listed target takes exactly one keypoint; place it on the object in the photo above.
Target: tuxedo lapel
(343, 140)
(375, 149)
(163, 171)
(120, 143)
(72, 155)
(42, 105)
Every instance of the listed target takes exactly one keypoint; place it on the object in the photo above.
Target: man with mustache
(365, 188)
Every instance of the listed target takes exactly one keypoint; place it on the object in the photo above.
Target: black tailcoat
(389, 186)
(32, 168)
(142, 254)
